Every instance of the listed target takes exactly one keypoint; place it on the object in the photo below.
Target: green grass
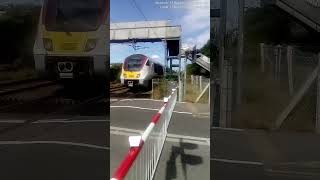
(160, 90)
(192, 94)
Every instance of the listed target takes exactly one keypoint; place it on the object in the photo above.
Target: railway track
(17, 92)
(119, 91)
(20, 93)
(55, 103)
(20, 86)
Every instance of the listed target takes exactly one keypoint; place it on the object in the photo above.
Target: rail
(141, 161)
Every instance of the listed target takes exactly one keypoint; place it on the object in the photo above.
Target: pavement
(257, 154)
(186, 152)
(39, 142)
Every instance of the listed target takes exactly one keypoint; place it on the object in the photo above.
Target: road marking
(290, 173)
(170, 137)
(151, 109)
(141, 99)
(12, 121)
(227, 129)
(54, 142)
(52, 121)
(67, 121)
(237, 161)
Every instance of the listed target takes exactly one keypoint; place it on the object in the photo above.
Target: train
(72, 40)
(138, 70)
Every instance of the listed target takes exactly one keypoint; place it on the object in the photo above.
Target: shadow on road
(186, 159)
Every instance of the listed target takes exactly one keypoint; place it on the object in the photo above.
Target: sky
(192, 15)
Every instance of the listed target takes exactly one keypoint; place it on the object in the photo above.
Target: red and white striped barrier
(141, 161)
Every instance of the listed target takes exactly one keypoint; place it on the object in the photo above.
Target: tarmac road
(180, 154)
(256, 154)
(69, 144)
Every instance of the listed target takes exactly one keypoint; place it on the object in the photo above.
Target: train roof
(144, 56)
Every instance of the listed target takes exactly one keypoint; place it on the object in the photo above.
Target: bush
(115, 72)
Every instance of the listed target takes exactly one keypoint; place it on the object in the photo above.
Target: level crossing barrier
(140, 163)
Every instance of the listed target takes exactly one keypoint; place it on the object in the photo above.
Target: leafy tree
(115, 71)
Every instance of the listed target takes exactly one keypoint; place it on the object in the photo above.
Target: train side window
(148, 63)
(155, 68)
(160, 71)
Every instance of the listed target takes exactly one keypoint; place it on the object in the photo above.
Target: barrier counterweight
(141, 161)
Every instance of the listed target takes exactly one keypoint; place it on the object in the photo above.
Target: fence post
(262, 61)
(317, 125)
(197, 81)
(209, 91)
(289, 61)
(191, 79)
(200, 81)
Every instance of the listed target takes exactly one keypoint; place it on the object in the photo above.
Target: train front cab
(72, 48)
(139, 70)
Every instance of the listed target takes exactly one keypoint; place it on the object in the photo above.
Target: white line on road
(67, 121)
(53, 121)
(12, 121)
(140, 99)
(237, 161)
(151, 109)
(170, 137)
(292, 173)
(54, 142)
(227, 129)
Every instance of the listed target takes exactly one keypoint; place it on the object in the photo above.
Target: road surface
(187, 145)
(255, 154)
(72, 143)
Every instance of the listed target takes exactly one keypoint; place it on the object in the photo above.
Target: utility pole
(185, 77)
(223, 79)
(240, 51)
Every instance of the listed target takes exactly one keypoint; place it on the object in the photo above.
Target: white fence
(141, 161)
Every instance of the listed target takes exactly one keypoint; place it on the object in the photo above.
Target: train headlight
(138, 75)
(91, 44)
(47, 43)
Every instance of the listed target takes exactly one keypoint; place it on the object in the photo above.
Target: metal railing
(141, 161)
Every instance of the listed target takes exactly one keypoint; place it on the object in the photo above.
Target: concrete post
(240, 52)
(181, 83)
(222, 61)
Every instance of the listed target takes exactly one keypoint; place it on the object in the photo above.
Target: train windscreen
(74, 15)
(134, 62)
